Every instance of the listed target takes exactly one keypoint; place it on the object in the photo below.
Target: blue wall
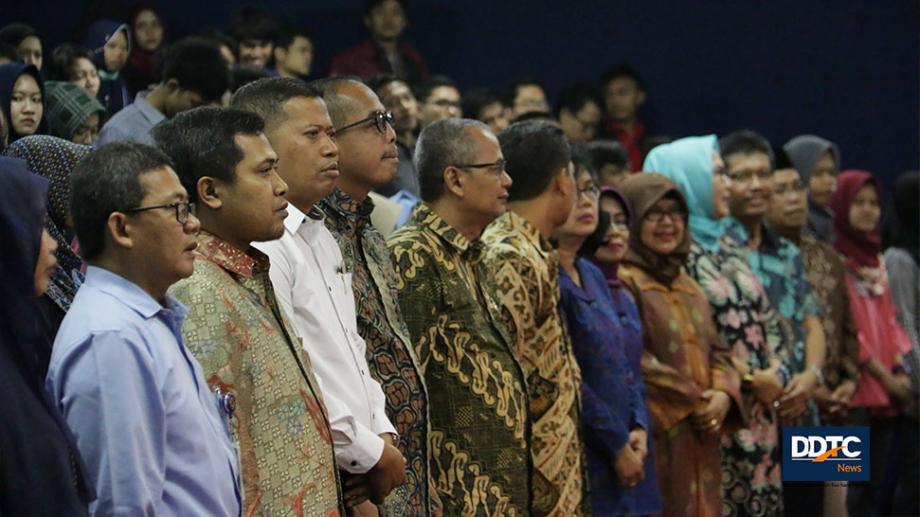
(846, 70)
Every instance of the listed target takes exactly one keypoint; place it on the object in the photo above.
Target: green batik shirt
(478, 401)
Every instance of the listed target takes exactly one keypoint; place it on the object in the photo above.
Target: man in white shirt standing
(315, 289)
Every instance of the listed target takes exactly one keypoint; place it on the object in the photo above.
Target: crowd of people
(232, 288)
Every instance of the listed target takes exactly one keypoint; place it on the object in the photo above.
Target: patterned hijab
(54, 159)
(67, 106)
(856, 246)
(688, 163)
(642, 191)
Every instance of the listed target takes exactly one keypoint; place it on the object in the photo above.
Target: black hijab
(9, 74)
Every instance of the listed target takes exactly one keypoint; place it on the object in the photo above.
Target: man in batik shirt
(368, 159)
(478, 441)
(524, 270)
(235, 326)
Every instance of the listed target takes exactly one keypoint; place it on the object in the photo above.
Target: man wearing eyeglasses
(438, 98)
(146, 425)
(366, 141)
(478, 398)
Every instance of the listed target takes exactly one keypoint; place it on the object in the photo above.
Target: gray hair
(443, 143)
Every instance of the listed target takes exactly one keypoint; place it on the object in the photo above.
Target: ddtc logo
(826, 454)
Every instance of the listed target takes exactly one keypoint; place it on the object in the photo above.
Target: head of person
(364, 133)
(224, 43)
(903, 226)
(27, 42)
(22, 94)
(240, 77)
(787, 210)
(749, 163)
(385, 19)
(818, 161)
(397, 98)
(526, 95)
(485, 105)
(228, 166)
(614, 243)
(582, 221)
(438, 97)
(579, 111)
(695, 166)
(73, 114)
(293, 52)
(460, 161)
(254, 31)
(623, 93)
(8, 54)
(610, 161)
(857, 212)
(146, 29)
(659, 240)
(72, 63)
(110, 42)
(538, 159)
(131, 214)
(194, 74)
(300, 131)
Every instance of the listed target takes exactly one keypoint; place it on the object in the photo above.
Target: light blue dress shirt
(146, 424)
(134, 122)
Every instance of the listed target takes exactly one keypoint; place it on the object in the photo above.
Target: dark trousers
(905, 460)
(873, 497)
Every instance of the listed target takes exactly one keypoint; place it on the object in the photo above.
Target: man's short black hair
(108, 180)
(266, 97)
(573, 98)
(527, 80)
(604, 152)
(62, 59)
(219, 38)
(535, 151)
(241, 76)
(746, 142)
(536, 115)
(379, 81)
(201, 143)
(252, 23)
(197, 65)
(781, 159)
(423, 90)
(286, 35)
(13, 33)
(622, 71)
(441, 144)
(581, 159)
(370, 5)
(474, 101)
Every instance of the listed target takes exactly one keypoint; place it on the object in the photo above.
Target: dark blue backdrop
(846, 70)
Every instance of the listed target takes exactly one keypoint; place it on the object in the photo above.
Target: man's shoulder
(208, 280)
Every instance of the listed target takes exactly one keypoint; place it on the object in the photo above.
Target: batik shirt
(237, 331)
(524, 270)
(479, 454)
(389, 352)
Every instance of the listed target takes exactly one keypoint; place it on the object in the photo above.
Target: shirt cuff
(361, 454)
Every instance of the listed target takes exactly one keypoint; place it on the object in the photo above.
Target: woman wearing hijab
(607, 341)
(72, 112)
(110, 42)
(691, 384)
(744, 317)
(818, 161)
(54, 159)
(148, 37)
(40, 469)
(882, 386)
(22, 94)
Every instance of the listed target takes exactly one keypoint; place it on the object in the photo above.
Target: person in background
(72, 112)
(525, 276)
(8, 54)
(883, 385)
(41, 472)
(818, 162)
(26, 41)
(110, 43)
(397, 98)
(292, 53)
(384, 52)
(139, 406)
(610, 161)
(485, 105)
(254, 30)
(623, 94)
(693, 390)
(148, 39)
(579, 112)
(193, 74)
(438, 97)
(22, 98)
(224, 43)
(525, 95)
(606, 332)
(72, 63)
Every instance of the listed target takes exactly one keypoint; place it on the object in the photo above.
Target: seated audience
(623, 94)
(254, 31)
(818, 162)
(110, 43)
(26, 41)
(526, 95)
(22, 99)
(74, 64)
(438, 97)
(292, 53)
(148, 40)
(485, 105)
(609, 160)
(579, 112)
(73, 113)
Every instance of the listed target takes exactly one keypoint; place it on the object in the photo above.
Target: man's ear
(453, 181)
(209, 192)
(561, 183)
(172, 85)
(119, 230)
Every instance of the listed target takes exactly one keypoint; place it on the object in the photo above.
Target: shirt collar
(244, 263)
(152, 114)
(296, 218)
(514, 222)
(344, 205)
(429, 219)
(131, 294)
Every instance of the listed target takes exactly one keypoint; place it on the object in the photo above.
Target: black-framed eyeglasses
(590, 191)
(497, 167)
(381, 120)
(675, 215)
(183, 210)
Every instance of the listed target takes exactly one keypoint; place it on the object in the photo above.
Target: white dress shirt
(310, 282)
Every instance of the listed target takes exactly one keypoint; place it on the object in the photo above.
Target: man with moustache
(368, 159)
(306, 274)
(396, 97)
(477, 389)
(236, 327)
